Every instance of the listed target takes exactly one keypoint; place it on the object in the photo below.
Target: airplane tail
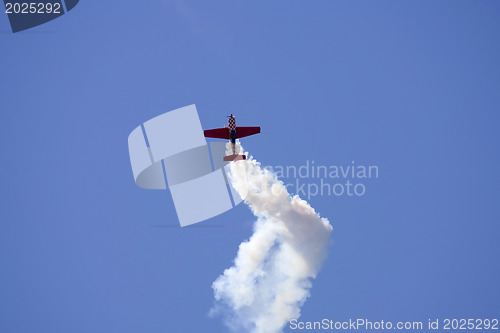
(234, 152)
(234, 157)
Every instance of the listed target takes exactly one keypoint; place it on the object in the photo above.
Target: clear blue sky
(410, 86)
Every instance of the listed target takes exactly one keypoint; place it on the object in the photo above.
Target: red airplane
(232, 132)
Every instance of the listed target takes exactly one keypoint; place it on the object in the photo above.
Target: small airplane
(232, 132)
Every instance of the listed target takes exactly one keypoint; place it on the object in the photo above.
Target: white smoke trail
(271, 276)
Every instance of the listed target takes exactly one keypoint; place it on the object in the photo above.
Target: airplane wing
(246, 131)
(219, 133)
